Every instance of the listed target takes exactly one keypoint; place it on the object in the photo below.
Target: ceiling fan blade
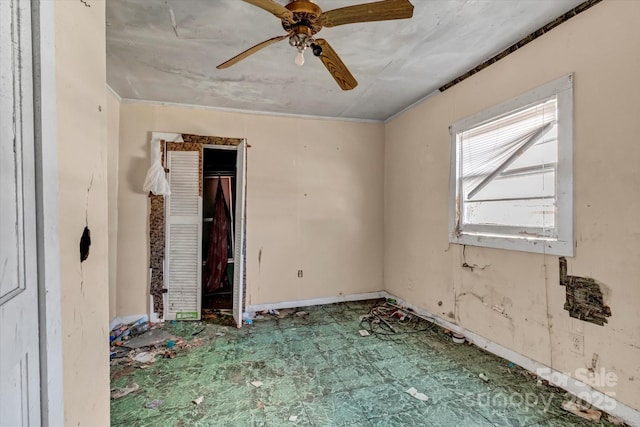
(367, 12)
(336, 67)
(250, 51)
(272, 7)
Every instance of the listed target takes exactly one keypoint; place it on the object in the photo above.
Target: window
(512, 173)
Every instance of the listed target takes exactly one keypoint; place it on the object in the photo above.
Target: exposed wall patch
(584, 297)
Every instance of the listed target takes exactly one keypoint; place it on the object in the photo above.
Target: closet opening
(219, 170)
(203, 257)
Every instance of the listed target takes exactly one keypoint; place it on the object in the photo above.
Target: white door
(19, 344)
(239, 235)
(183, 216)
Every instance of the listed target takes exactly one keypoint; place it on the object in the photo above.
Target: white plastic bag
(156, 181)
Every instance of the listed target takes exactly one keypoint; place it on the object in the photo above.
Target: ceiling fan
(303, 19)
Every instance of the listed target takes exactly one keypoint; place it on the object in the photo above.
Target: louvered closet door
(183, 269)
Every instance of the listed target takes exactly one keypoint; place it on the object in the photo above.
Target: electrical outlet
(299, 273)
(577, 343)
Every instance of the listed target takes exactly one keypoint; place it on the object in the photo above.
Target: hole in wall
(585, 299)
(85, 243)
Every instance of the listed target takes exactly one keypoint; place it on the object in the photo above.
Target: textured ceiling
(395, 62)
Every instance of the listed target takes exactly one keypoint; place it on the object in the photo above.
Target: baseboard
(315, 301)
(575, 387)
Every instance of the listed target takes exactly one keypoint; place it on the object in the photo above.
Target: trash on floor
(223, 316)
(248, 317)
(122, 332)
(391, 319)
(198, 400)
(154, 404)
(150, 338)
(293, 418)
(256, 384)
(364, 333)
(581, 411)
(220, 363)
(457, 338)
(484, 378)
(117, 393)
(615, 420)
(415, 393)
(144, 357)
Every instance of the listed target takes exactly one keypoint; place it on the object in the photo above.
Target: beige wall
(82, 179)
(314, 202)
(601, 47)
(113, 139)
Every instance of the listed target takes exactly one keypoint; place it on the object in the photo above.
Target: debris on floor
(222, 316)
(316, 369)
(154, 404)
(415, 393)
(152, 338)
(581, 411)
(247, 317)
(458, 338)
(615, 420)
(386, 319)
(117, 393)
(140, 343)
(144, 357)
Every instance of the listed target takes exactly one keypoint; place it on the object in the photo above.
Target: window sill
(533, 245)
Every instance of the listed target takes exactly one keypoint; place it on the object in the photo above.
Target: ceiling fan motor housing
(305, 13)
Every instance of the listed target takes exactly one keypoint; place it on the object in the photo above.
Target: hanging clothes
(216, 266)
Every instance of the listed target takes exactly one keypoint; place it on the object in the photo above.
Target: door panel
(19, 344)
(239, 238)
(183, 275)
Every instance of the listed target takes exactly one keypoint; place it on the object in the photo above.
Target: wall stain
(584, 297)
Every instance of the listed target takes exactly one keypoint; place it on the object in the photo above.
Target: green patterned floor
(318, 371)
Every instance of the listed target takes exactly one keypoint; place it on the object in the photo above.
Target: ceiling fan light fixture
(300, 57)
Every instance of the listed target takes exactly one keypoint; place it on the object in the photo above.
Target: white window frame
(521, 239)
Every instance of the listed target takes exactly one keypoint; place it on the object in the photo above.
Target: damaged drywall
(85, 244)
(584, 297)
